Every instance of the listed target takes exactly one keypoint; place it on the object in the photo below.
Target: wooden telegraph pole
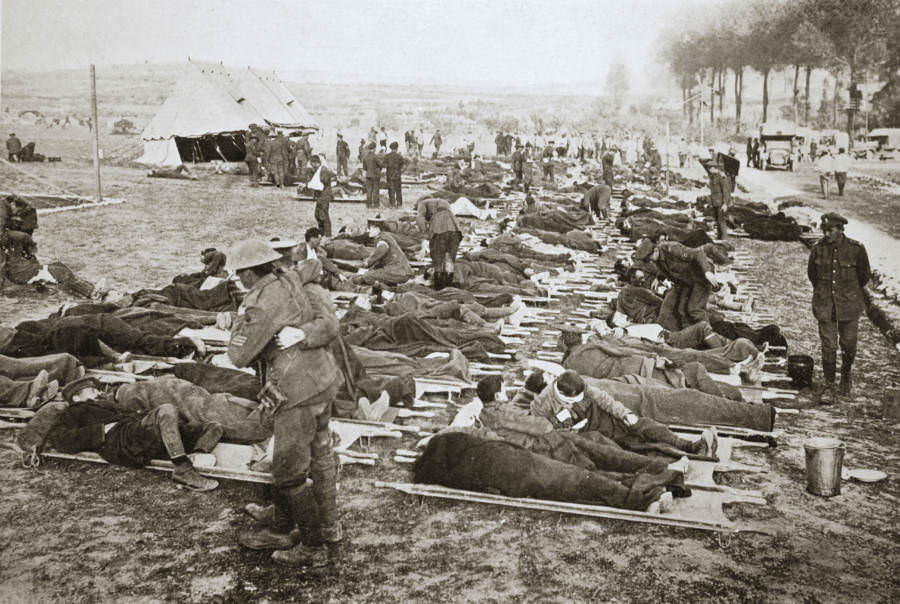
(668, 152)
(96, 124)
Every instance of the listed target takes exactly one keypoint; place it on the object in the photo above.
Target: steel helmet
(250, 253)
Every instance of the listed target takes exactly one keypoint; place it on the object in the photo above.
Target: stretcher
(700, 514)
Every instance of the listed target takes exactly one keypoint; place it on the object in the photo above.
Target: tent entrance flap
(209, 147)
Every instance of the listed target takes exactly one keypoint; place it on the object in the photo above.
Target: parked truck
(778, 145)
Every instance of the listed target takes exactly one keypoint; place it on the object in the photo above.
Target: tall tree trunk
(691, 106)
(765, 95)
(796, 98)
(834, 104)
(712, 98)
(738, 95)
(683, 103)
(721, 90)
(806, 97)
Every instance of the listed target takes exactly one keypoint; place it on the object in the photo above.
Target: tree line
(853, 40)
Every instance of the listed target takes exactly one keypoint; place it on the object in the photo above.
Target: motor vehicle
(886, 139)
(864, 148)
(779, 139)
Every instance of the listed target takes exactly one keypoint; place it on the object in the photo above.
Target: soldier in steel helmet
(284, 327)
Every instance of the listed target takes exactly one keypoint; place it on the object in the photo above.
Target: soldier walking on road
(841, 165)
(838, 270)
(719, 196)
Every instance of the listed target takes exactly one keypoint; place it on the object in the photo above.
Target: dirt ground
(77, 532)
(861, 200)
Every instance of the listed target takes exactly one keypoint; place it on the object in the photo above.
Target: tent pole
(96, 141)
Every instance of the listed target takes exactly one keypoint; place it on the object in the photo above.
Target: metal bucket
(800, 370)
(824, 459)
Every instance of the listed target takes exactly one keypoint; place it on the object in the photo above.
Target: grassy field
(81, 533)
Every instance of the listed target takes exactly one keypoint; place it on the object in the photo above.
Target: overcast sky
(524, 42)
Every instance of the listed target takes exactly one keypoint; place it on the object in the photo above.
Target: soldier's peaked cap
(832, 219)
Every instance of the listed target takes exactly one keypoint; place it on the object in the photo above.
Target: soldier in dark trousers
(437, 140)
(342, 152)
(693, 278)
(254, 153)
(607, 162)
(393, 168)
(596, 201)
(277, 157)
(284, 327)
(518, 165)
(320, 184)
(719, 197)
(838, 270)
(372, 166)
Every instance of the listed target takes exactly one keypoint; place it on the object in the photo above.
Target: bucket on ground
(824, 460)
(800, 370)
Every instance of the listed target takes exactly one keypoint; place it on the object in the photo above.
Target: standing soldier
(838, 270)
(285, 327)
(342, 152)
(393, 168)
(253, 156)
(841, 165)
(13, 147)
(320, 184)
(518, 164)
(303, 152)
(608, 160)
(547, 162)
(437, 141)
(277, 157)
(719, 196)
(436, 219)
(372, 166)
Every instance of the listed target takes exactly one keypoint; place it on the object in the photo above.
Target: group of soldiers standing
(279, 155)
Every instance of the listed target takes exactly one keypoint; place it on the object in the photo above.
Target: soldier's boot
(438, 280)
(279, 533)
(846, 386)
(827, 396)
(264, 514)
(324, 490)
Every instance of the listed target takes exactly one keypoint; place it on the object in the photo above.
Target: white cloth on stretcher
(463, 206)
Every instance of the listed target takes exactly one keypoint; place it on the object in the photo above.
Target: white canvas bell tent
(205, 117)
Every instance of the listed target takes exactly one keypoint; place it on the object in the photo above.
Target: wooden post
(668, 151)
(95, 122)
